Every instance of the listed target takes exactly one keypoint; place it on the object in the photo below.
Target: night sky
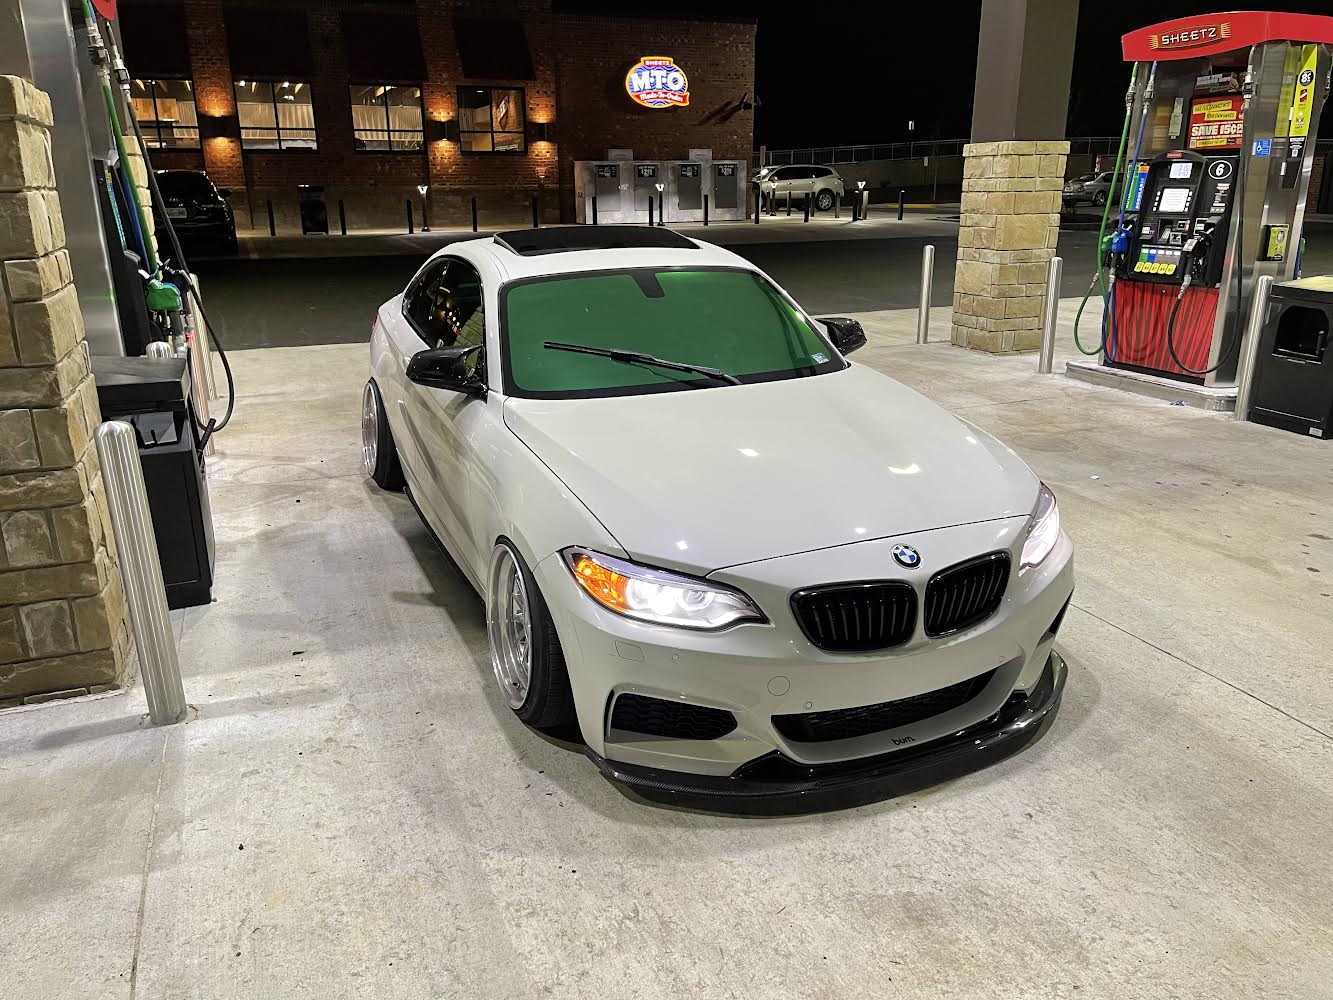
(861, 71)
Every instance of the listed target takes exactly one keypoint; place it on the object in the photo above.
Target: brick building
(371, 98)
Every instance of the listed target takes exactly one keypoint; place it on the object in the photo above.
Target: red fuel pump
(1217, 157)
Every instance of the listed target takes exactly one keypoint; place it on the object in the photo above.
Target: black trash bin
(153, 395)
(314, 210)
(1293, 374)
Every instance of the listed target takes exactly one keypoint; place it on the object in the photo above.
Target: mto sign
(1191, 37)
(657, 82)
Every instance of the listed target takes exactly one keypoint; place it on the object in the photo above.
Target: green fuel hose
(109, 96)
(1100, 274)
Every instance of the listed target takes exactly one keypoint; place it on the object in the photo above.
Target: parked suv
(802, 180)
(198, 212)
(1096, 188)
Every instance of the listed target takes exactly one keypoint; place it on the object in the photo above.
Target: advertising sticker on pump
(1217, 122)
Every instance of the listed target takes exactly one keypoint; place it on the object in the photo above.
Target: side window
(786, 174)
(416, 303)
(455, 316)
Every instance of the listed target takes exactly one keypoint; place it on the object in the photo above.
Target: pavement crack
(1205, 671)
(147, 862)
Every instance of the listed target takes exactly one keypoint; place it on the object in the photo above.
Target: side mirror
(845, 333)
(224, 192)
(446, 368)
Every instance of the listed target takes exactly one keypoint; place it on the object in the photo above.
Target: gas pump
(1213, 169)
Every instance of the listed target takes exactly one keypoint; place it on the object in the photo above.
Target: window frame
(156, 124)
(492, 131)
(276, 131)
(388, 129)
(510, 389)
(433, 272)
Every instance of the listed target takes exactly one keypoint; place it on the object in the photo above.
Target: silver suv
(802, 180)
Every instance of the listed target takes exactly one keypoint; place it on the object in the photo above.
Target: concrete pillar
(1013, 171)
(63, 627)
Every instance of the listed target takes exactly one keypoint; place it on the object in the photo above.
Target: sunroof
(561, 239)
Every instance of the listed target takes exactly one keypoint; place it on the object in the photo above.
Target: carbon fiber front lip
(776, 785)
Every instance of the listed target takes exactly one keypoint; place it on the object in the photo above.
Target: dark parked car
(198, 211)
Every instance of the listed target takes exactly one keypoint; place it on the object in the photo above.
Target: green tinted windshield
(732, 320)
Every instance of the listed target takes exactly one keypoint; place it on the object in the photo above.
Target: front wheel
(526, 656)
(1099, 199)
(378, 453)
(824, 200)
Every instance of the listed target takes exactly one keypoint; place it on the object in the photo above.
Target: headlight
(654, 595)
(1043, 531)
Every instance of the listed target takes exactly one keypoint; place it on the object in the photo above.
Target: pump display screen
(1174, 200)
(1181, 171)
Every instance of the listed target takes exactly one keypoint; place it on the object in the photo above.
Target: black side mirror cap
(224, 192)
(446, 368)
(846, 333)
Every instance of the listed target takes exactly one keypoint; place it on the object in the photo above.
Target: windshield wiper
(637, 358)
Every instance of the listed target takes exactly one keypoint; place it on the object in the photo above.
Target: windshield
(729, 319)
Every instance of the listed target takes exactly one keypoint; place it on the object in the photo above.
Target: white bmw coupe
(752, 573)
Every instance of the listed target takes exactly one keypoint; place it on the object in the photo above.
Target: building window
(275, 115)
(165, 112)
(386, 117)
(490, 119)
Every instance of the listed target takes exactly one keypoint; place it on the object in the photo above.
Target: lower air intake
(846, 723)
(636, 713)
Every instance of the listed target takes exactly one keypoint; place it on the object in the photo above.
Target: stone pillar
(1007, 235)
(63, 627)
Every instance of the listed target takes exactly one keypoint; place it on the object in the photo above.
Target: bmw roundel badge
(906, 556)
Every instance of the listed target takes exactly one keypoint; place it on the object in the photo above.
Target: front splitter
(775, 785)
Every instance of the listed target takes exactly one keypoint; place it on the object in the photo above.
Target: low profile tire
(824, 200)
(1099, 199)
(526, 656)
(378, 453)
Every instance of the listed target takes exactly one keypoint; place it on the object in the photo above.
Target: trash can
(1293, 376)
(153, 396)
(314, 211)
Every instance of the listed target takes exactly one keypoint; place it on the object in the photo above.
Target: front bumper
(775, 785)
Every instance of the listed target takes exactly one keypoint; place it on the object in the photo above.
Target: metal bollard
(272, 226)
(1250, 353)
(342, 217)
(410, 227)
(474, 213)
(594, 210)
(865, 205)
(837, 205)
(789, 204)
(132, 525)
(758, 205)
(650, 212)
(536, 211)
(927, 285)
(661, 211)
(1050, 312)
(809, 200)
(705, 210)
(901, 197)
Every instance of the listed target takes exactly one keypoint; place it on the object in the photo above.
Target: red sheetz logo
(1188, 38)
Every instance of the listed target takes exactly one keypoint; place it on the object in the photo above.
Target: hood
(706, 478)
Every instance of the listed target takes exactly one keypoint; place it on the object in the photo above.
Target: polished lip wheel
(509, 627)
(370, 428)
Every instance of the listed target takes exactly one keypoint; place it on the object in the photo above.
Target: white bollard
(927, 282)
(1250, 352)
(145, 595)
(1050, 313)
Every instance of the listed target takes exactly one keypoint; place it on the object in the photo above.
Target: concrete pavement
(353, 811)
